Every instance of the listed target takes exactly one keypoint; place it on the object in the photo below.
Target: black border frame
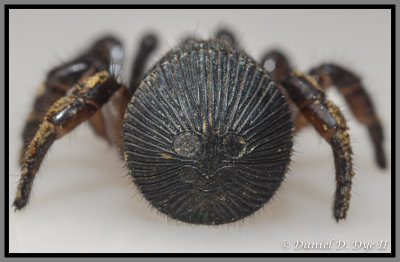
(8, 7)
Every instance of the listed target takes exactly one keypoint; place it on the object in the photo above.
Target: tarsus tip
(339, 216)
(381, 161)
(18, 204)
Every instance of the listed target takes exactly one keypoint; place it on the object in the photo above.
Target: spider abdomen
(207, 135)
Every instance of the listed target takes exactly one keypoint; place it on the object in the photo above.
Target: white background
(83, 200)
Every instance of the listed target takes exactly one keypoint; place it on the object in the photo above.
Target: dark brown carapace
(207, 132)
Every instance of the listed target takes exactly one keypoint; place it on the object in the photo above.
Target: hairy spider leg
(347, 83)
(278, 66)
(329, 122)
(64, 115)
(109, 120)
(360, 103)
(59, 80)
(147, 46)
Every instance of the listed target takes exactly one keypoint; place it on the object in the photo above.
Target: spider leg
(101, 56)
(276, 64)
(147, 46)
(58, 82)
(329, 122)
(350, 86)
(108, 121)
(63, 116)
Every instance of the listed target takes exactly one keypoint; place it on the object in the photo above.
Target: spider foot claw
(19, 203)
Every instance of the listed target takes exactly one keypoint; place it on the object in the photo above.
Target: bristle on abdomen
(207, 135)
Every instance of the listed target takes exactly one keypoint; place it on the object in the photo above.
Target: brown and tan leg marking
(58, 82)
(63, 116)
(327, 119)
(350, 86)
(100, 56)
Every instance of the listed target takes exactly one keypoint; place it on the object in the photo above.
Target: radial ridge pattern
(207, 135)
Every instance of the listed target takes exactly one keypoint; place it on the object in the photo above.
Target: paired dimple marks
(207, 135)
(234, 145)
(186, 144)
(189, 144)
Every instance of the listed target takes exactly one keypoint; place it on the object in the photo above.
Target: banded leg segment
(105, 54)
(350, 86)
(58, 82)
(331, 125)
(62, 117)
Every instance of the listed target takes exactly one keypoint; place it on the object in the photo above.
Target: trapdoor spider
(207, 132)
